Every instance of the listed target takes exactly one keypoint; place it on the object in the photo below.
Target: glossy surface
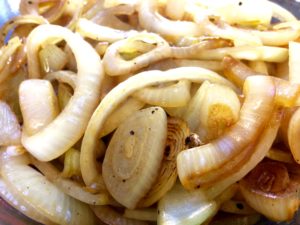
(10, 216)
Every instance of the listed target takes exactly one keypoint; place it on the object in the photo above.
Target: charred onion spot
(29, 2)
(240, 3)
(193, 140)
(167, 151)
(240, 206)
(131, 132)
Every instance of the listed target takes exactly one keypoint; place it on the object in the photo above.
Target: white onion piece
(151, 20)
(98, 32)
(70, 125)
(119, 94)
(36, 190)
(10, 129)
(294, 71)
(175, 9)
(64, 76)
(281, 13)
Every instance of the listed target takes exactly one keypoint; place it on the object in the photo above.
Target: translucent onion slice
(151, 20)
(10, 129)
(280, 155)
(71, 164)
(179, 206)
(148, 47)
(174, 95)
(281, 13)
(258, 104)
(22, 206)
(38, 104)
(269, 190)
(98, 32)
(33, 188)
(70, 125)
(178, 131)
(117, 95)
(126, 109)
(237, 207)
(293, 135)
(294, 61)
(109, 216)
(134, 155)
(64, 95)
(261, 53)
(175, 9)
(52, 58)
(147, 214)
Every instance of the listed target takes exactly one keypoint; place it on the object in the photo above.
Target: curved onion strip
(280, 155)
(39, 105)
(71, 163)
(109, 216)
(10, 132)
(151, 20)
(187, 52)
(115, 65)
(34, 188)
(32, 8)
(294, 48)
(22, 206)
(63, 76)
(119, 94)
(260, 67)
(175, 95)
(97, 32)
(178, 131)
(269, 190)
(69, 126)
(64, 95)
(293, 135)
(261, 53)
(258, 104)
(134, 156)
(281, 13)
(18, 20)
(260, 150)
(147, 214)
(126, 109)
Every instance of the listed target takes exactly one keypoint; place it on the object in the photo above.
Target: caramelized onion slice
(134, 155)
(66, 129)
(254, 114)
(271, 191)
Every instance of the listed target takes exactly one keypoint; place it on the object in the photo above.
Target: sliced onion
(38, 104)
(254, 114)
(109, 216)
(151, 20)
(71, 163)
(33, 188)
(175, 9)
(126, 109)
(98, 32)
(64, 95)
(63, 76)
(119, 94)
(115, 65)
(280, 155)
(293, 135)
(174, 95)
(134, 155)
(237, 207)
(281, 13)
(148, 214)
(69, 126)
(10, 129)
(269, 190)
(178, 131)
(294, 61)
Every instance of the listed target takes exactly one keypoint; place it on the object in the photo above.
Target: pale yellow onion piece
(147, 214)
(151, 20)
(114, 3)
(259, 66)
(64, 95)
(212, 109)
(70, 125)
(180, 206)
(237, 207)
(6, 53)
(71, 163)
(294, 71)
(97, 32)
(119, 94)
(134, 155)
(35, 189)
(175, 9)
(281, 13)
(126, 109)
(174, 95)
(70, 187)
(178, 131)
(39, 105)
(280, 155)
(262, 53)
(258, 104)
(63, 76)
(115, 65)
(110, 216)
(101, 48)
(10, 129)
(22, 206)
(293, 135)
(260, 150)
(52, 58)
